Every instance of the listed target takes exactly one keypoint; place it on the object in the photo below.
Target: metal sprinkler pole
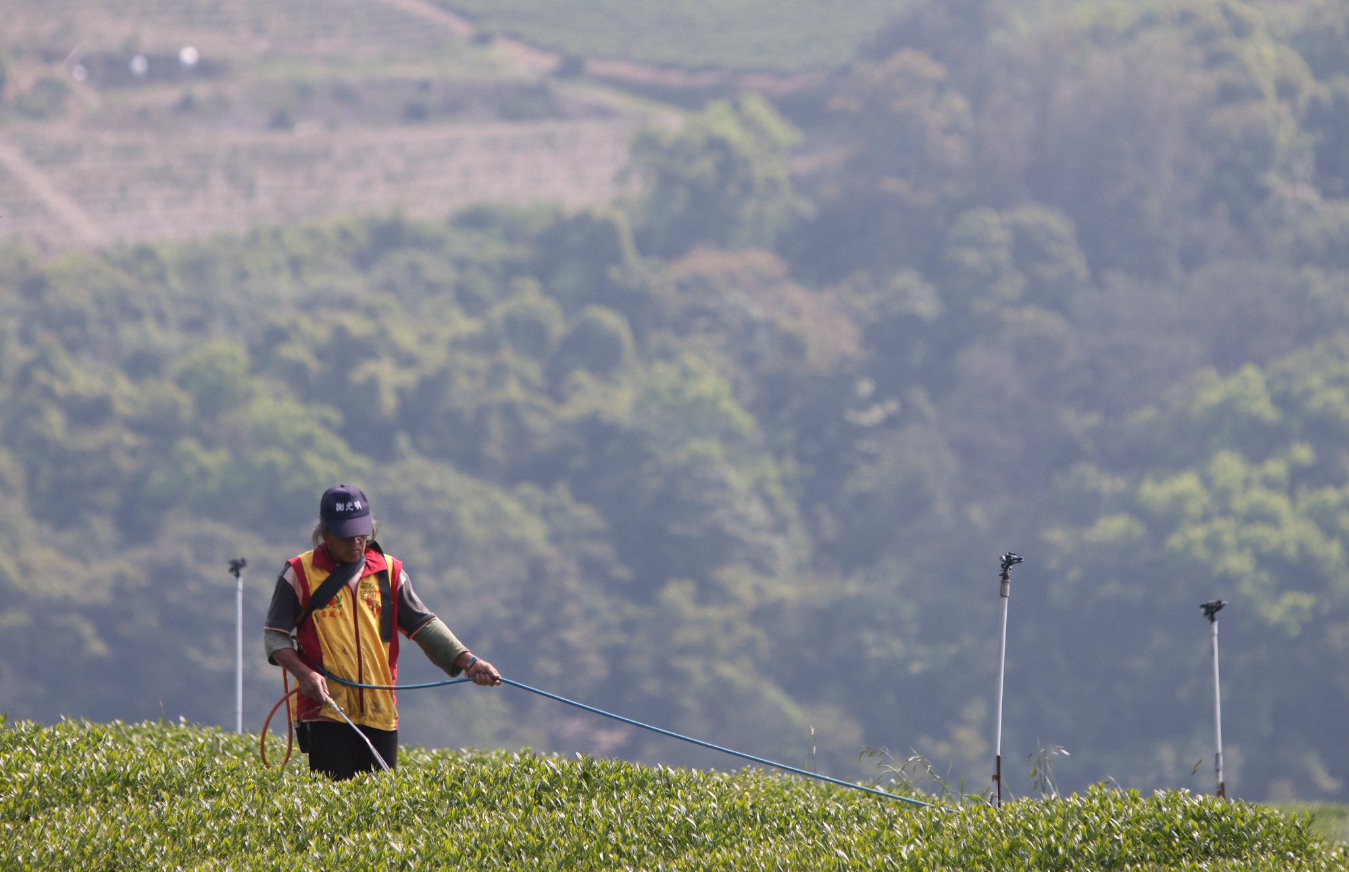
(237, 570)
(1211, 612)
(1005, 591)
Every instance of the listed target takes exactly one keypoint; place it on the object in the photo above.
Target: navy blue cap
(346, 512)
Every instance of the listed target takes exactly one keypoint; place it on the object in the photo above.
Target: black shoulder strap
(331, 585)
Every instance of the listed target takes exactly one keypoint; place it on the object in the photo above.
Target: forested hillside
(738, 455)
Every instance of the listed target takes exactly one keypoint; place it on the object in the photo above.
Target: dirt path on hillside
(633, 73)
(58, 204)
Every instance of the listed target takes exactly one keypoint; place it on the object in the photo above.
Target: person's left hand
(483, 673)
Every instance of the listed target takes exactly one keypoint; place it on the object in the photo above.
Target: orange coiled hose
(290, 727)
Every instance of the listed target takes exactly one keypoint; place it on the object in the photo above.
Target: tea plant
(80, 795)
(1330, 821)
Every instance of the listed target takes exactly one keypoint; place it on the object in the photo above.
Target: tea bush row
(81, 795)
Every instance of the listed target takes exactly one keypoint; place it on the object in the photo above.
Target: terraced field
(287, 112)
(132, 186)
(233, 28)
(796, 36)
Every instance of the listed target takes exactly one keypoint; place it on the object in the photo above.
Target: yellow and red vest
(354, 636)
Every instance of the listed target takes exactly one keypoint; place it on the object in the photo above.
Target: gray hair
(320, 525)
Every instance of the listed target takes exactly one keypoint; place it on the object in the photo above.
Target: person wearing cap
(345, 603)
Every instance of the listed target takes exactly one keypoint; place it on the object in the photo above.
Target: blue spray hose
(673, 735)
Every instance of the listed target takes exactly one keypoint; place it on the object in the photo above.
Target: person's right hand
(313, 685)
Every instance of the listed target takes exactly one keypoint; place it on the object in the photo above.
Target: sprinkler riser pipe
(1002, 669)
(1009, 560)
(1217, 717)
(997, 717)
(239, 656)
(237, 570)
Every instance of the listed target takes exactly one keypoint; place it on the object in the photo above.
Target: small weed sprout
(1197, 764)
(1042, 772)
(916, 774)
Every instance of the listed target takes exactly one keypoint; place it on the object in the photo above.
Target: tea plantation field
(155, 796)
(761, 35)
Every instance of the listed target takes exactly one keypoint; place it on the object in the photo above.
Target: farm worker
(344, 603)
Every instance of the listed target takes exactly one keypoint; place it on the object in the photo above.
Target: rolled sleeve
(281, 614)
(440, 646)
(284, 610)
(413, 615)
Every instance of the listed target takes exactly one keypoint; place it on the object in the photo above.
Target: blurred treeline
(739, 457)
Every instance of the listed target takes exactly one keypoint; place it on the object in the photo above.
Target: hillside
(252, 114)
(379, 101)
(81, 795)
(737, 452)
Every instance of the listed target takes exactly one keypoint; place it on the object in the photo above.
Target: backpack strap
(339, 578)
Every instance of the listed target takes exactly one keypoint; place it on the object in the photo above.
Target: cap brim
(363, 525)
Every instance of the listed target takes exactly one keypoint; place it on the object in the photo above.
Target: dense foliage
(738, 457)
(85, 796)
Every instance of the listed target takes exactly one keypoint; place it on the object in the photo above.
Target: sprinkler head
(1008, 561)
(1211, 609)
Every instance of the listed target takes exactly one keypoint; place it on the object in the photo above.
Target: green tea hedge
(89, 796)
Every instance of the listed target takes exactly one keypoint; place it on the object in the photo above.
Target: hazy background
(700, 360)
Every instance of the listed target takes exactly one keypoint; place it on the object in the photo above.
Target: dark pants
(336, 749)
